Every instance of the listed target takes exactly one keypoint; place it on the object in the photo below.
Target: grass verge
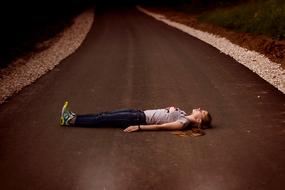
(260, 17)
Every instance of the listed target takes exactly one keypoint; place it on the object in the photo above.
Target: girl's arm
(166, 126)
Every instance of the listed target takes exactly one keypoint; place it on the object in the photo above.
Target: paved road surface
(131, 60)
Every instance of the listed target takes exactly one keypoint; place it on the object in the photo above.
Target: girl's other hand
(132, 128)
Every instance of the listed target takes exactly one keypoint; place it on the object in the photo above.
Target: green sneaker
(66, 115)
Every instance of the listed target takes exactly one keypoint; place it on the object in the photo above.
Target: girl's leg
(124, 110)
(117, 118)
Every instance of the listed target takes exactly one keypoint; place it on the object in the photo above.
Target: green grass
(263, 17)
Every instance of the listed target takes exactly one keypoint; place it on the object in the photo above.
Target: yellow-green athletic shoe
(66, 115)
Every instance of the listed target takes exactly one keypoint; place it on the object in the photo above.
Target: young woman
(170, 118)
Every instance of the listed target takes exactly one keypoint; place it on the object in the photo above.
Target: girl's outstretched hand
(132, 128)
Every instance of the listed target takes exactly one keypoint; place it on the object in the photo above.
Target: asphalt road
(130, 60)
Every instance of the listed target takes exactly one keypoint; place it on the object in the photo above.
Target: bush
(257, 17)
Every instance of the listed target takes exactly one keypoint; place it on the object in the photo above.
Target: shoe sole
(62, 111)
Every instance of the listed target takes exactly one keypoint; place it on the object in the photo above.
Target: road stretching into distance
(130, 60)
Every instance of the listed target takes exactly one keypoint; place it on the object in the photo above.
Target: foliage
(258, 17)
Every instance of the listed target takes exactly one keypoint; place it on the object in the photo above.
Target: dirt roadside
(273, 49)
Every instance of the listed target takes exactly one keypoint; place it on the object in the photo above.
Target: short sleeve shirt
(160, 116)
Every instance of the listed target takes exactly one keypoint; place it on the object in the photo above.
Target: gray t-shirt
(160, 116)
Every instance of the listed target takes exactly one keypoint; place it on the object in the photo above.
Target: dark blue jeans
(117, 118)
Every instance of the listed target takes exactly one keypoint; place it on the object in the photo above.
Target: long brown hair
(197, 130)
(205, 124)
(206, 121)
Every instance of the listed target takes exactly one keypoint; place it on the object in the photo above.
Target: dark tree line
(24, 23)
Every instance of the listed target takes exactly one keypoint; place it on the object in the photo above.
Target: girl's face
(199, 113)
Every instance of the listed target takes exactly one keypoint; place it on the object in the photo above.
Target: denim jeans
(117, 118)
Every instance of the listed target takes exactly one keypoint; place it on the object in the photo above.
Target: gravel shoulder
(25, 70)
(267, 69)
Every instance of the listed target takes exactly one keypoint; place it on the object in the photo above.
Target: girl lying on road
(170, 118)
